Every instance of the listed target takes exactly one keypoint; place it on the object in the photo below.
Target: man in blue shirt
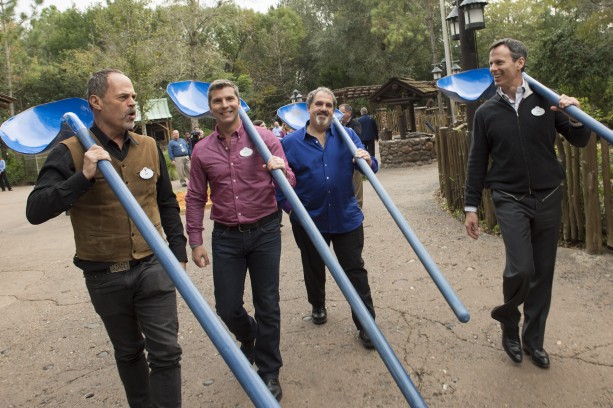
(323, 166)
(178, 153)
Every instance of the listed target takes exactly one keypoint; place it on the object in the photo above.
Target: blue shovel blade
(468, 86)
(296, 115)
(191, 98)
(38, 129)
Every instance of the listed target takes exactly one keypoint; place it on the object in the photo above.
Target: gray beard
(322, 121)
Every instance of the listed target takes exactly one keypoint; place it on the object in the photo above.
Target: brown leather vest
(102, 229)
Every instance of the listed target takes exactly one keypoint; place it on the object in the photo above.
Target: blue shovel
(190, 94)
(475, 84)
(296, 116)
(37, 130)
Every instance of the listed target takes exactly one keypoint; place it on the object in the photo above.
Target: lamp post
(454, 23)
(437, 72)
(454, 28)
(469, 18)
(296, 96)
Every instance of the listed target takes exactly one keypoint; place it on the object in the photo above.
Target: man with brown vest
(127, 285)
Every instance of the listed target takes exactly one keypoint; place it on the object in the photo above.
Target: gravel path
(54, 350)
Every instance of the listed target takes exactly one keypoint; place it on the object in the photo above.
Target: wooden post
(606, 182)
(593, 226)
(565, 210)
(402, 124)
(576, 194)
(444, 133)
(439, 160)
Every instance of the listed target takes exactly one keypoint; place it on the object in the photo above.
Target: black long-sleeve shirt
(521, 145)
(59, 187)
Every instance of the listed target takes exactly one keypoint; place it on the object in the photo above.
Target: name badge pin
(146, 173)
(246, 152)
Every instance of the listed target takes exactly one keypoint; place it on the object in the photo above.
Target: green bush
(172, 171)
(15, 168)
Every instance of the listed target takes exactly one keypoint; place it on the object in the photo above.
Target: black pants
(348, 249)
(4, 181)
(530, 228)
(141, 301)
(259, 251)
(369, 146)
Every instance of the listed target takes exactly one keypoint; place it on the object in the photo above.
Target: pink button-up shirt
(241, 188)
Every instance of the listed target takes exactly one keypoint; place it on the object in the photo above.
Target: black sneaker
(248, 350)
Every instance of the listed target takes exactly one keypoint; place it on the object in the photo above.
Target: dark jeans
(369, 146)
(530, 229)
(141, 301)
(259, 251)
(348, 249)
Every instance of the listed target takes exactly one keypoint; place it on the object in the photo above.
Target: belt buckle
(119, 267)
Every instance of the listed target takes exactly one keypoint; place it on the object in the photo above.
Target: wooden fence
(587, 207)
(388, 119)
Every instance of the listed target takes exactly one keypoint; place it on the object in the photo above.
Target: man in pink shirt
(246, 233)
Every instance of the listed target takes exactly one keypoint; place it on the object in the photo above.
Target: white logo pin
(146, 173)
(538, 111)
(246, 152)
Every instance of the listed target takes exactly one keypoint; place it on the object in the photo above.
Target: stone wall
(413, 151)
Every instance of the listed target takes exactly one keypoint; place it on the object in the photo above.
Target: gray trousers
(530, 227)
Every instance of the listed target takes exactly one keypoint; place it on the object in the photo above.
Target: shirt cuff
(576, 124)
(469, 208)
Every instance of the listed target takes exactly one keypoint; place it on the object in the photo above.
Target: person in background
(277, 129)
(324, 166)
(348, 121)
(178, 153)
(128, 286)
(513, 154)
(370, 131)
(188, 142)
(246, 234)
(4, 180)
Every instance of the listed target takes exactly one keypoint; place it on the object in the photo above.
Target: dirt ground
(54, 350)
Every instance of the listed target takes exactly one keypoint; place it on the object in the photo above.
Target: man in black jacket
(517, 129)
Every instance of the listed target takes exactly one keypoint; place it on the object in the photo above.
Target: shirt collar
(238, 133)
(524, 88)
(105, 140)
(329, 131)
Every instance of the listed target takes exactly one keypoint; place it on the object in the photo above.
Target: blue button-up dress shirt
(324, 179)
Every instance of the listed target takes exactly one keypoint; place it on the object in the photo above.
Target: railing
(587, 204)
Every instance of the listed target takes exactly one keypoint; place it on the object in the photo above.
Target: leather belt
(123, 266)
(247, 227)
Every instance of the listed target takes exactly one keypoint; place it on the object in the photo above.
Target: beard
(129, 122)
(322, 120)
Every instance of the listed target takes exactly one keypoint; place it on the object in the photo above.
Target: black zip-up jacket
(521, 145)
